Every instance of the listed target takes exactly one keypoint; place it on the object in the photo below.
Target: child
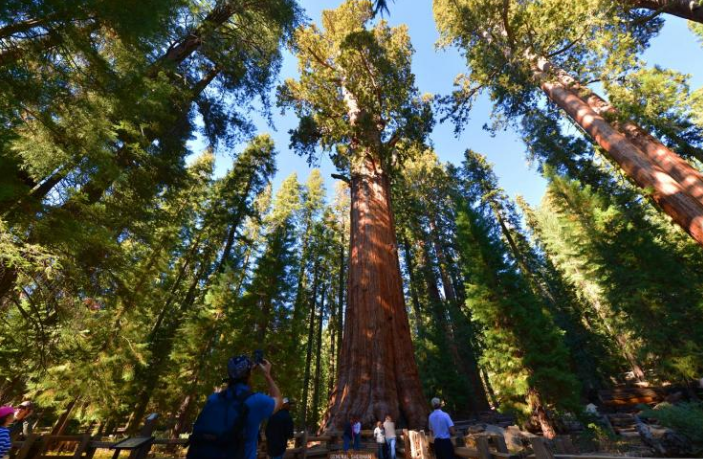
(380, 436)
(7, 415)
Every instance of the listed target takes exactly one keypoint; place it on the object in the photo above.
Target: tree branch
(343, 178)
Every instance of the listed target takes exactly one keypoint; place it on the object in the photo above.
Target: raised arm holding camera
(228, 425)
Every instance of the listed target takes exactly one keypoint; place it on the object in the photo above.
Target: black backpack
(218, 432)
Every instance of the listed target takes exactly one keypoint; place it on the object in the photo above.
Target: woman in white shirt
(380, 436)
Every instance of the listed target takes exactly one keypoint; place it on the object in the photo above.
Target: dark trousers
(381, 453)
(443, 448)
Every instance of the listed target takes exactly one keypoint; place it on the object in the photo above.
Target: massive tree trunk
(678, 168)
(341, 294)
(377, 372)
(687, 9)
(669, 194)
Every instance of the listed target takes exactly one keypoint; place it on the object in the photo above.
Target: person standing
(22, 427)
(380, 437)
(206, 445)
(279, 430)
(348, 433)
(442, 429)
(356, 430)
(389, 429)
(7, 415)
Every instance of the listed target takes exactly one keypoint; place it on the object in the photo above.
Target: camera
(258, 356)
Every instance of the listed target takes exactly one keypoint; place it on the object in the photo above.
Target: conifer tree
(524, 351)
(444, 336)
(515, 49)
(356, 99)
(607, 241)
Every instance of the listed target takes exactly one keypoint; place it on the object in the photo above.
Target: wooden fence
(410, 445)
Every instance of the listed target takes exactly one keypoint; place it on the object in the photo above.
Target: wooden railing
(480, 446)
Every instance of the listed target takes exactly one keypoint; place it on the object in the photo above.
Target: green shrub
(684, 418)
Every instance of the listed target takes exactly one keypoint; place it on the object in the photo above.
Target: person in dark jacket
(348, 433)
(279, 430)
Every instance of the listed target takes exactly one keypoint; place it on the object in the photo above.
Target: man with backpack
(228, 425)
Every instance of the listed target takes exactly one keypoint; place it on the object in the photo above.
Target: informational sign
(132, 443)
(351, 455)
(419, 447)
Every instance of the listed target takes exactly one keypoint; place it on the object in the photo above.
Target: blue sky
(675, 48)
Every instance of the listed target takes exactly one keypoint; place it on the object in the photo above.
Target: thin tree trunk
(308, 354)
(687, 9)
(414, 298)
(685, 210)
(489, 388)
(332, 326)
(318, 359)
(546, 423)
(378, 374)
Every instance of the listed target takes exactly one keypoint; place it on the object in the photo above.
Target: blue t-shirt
(5, 443)
(440, 422)
(260, 407)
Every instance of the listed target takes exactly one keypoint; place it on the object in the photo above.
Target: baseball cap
(27, 404)
(436, 402)
(5, 410)
(239, 367)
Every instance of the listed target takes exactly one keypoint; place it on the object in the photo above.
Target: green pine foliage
(523, 348)
(630, 269)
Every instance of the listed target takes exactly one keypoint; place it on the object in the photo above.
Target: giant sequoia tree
(356, 98)
(516, 50)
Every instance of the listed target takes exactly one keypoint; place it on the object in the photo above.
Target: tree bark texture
(378, 374)
(545, 422)
(669, 194)
(669, 161)
(687, 9)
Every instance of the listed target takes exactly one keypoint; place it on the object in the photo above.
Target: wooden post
(82, 446)
(27, 445)
(304, 444)
(539, 446)
(501, 446)
(484, 452)
(564, 445)
(146, 431)
(407, 449)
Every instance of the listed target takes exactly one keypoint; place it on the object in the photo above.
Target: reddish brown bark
(377, 371)
(684, 209)
(678, 168)
(545, 422)
(687, 9)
